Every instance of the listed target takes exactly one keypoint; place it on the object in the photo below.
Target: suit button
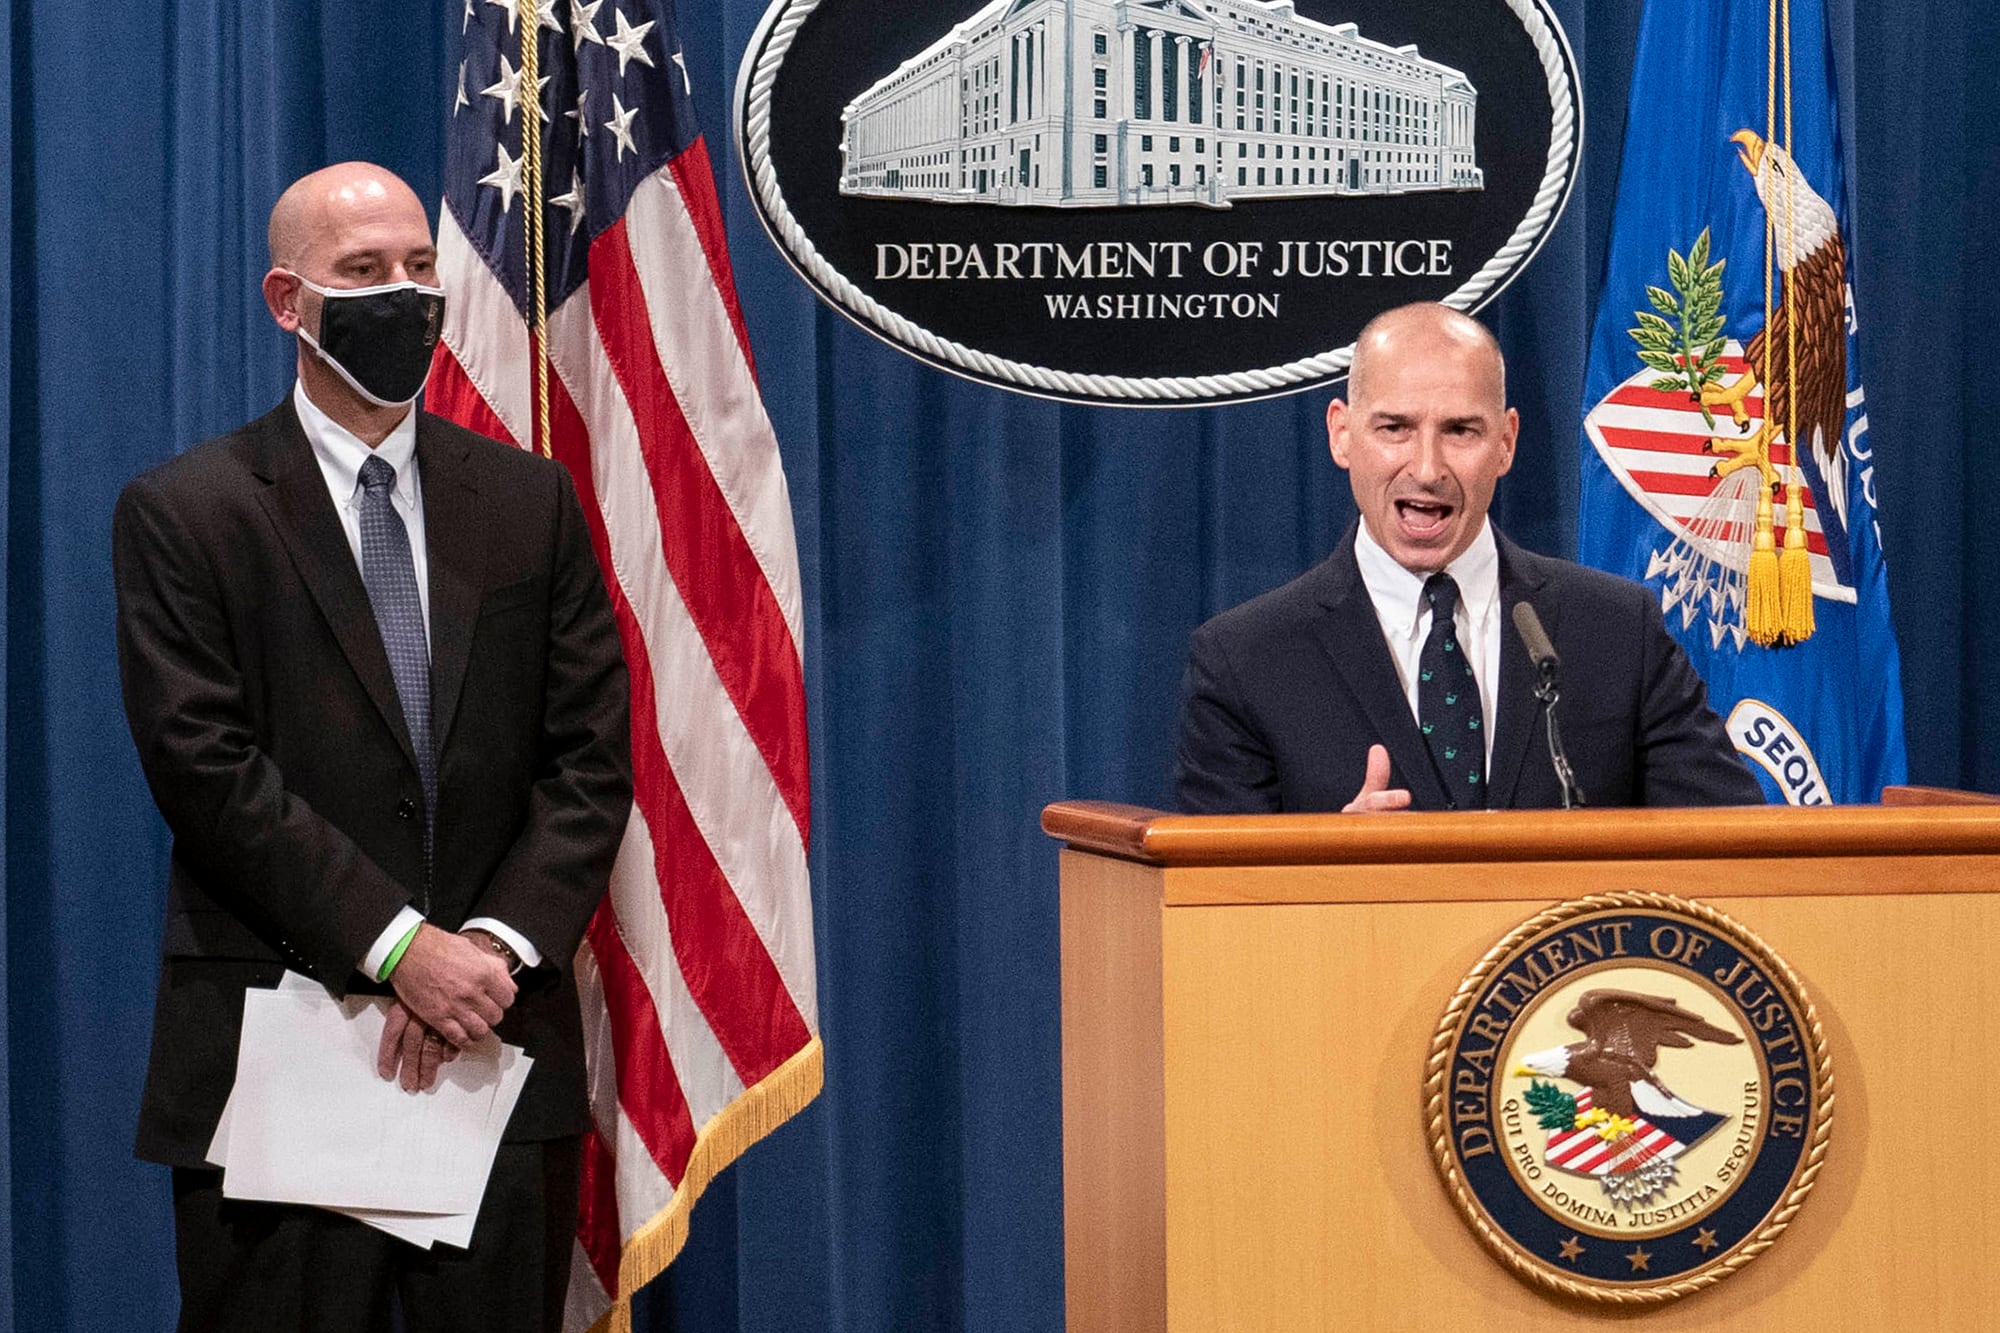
(406, 809)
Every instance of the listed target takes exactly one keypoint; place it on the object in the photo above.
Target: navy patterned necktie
(390, 573)
(1448, 708)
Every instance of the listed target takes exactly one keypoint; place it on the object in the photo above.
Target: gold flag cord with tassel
(531, 198)
(1795, 564)
(1763, 604)
(1778, 606)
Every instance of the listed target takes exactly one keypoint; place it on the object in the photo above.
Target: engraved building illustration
(1097, 103)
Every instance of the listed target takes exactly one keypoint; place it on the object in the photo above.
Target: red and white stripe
(697, 975)
(1656, 444)
(1586, 1153)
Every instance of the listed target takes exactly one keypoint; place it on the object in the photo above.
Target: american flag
(697, 972)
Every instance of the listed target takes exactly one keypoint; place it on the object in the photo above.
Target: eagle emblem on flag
(1625, 1128)
(1722, 441)
(1725, 458)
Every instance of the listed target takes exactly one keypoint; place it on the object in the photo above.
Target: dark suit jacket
(266, 720)
(1285, 693)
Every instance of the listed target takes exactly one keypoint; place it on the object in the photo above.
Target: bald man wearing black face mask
(374, 681)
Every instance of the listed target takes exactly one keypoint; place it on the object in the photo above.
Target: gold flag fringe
(776, 1098)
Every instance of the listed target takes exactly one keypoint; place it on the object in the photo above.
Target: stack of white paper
(309, 1120)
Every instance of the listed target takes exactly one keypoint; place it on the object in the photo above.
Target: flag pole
(531, 193)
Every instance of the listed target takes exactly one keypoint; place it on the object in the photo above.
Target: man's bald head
(345, 227)
(1425, 432)
(1426, 328)
(316, 207)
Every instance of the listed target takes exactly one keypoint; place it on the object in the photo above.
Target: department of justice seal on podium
(1629, 1098)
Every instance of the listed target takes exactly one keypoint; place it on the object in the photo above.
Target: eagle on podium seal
(1629, 1098)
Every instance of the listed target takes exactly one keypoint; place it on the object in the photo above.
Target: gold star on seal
(1639, 1259)
(1704, 1240)
(1571, 1248)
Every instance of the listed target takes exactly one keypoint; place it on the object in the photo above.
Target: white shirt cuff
(529, 955)
(371, 965)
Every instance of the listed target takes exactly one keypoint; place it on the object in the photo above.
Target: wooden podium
(1248, 1003)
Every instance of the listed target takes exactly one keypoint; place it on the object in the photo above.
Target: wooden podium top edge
(1911, 820)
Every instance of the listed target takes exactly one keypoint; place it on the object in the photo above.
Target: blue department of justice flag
(1726, 458)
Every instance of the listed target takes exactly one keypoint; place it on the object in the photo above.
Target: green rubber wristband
(396, 954)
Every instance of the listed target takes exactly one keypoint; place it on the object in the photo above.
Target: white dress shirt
(340, 454)
(1405, 618)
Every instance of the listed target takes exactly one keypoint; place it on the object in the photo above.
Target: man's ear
(1336, 432)
(282, 293)
(1513, 438)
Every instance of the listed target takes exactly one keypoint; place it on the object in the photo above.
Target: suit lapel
(1352, 638)
(296, 498)
(1521, 579)
(457, 561)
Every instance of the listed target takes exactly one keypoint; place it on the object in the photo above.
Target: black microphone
(1548, 688)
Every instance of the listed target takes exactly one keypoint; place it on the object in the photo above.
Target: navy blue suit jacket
(1285, 693)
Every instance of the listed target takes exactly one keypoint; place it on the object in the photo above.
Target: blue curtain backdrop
(998, 594)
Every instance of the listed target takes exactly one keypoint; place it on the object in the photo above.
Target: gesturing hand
(1376, 794)
(409, 1046)
(453, 985)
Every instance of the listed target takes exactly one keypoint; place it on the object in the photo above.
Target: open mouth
(1423, 520)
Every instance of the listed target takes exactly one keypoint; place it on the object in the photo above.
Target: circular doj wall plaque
(1154, 202)
(1629, 1098)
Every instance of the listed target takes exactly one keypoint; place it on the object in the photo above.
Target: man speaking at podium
(373, 677)
(1390, 677)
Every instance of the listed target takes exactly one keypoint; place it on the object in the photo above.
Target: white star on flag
(507, 88)
(507, 5)
(466, 22)
(580, 115)
(545, 15)
(680, 59)
(620, 125)
(462, 99)
(629, 42)
(583, 22)
(573, 201)
(506, 177)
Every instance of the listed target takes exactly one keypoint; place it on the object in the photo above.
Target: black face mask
(378, 339)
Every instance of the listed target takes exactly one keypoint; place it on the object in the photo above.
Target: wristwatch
(477, 934)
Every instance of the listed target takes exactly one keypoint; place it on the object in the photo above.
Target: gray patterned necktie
(1448, 708)
(390, 573)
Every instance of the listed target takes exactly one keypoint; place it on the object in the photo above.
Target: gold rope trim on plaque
(776, 1098)
(531, 195)
(1437, 1067)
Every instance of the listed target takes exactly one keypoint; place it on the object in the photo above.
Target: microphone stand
(1548, 691)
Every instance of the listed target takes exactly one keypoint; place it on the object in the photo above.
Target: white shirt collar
(341, 452)
(1398, 594)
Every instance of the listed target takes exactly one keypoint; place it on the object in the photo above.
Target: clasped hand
(449, 993)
